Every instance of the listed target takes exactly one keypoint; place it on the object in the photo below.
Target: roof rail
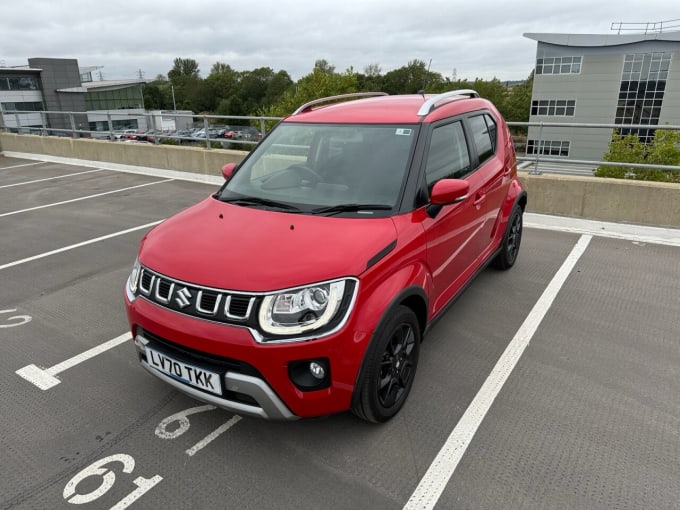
(431, 103)
(308, 106)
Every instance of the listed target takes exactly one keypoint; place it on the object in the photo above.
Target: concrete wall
(643, 203)
(616, 200)
(197, 160)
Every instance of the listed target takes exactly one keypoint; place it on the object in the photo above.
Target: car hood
(226, 246)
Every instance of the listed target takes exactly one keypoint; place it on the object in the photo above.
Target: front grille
(203, 302)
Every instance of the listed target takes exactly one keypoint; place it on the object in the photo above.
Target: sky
(459, 39)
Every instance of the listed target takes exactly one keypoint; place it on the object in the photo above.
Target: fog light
(310, 374)
(317, 370)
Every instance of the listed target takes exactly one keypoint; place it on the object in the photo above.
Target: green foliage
(184, 68)
(319, 83)
(517, 104)
(263, 92)
(664, 149)
(412, 78)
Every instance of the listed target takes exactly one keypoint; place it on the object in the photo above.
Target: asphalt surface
(588, 417)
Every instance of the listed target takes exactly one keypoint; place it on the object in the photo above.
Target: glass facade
(116, 125)
(643, 83)
(31, 106)
(116, 99)
(19, 82)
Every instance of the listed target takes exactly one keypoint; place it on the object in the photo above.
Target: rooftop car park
(553, 385)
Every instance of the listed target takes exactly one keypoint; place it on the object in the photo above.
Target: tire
(389, 367)
(511, 240)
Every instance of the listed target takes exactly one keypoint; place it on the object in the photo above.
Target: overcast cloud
(482, 38)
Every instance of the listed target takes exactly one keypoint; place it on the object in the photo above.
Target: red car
(305, 285)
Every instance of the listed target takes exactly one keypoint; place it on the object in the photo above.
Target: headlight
(133, 281)
(305, 309)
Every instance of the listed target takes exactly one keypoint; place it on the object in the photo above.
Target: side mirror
(228, 170)
(447, 192)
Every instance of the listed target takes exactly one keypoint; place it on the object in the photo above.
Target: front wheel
(389, 367)
(511, 240)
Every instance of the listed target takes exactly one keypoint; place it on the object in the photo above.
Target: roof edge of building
(601, 39)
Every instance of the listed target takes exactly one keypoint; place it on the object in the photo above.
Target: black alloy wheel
(390, 367)
(396, 367)
(511, 240)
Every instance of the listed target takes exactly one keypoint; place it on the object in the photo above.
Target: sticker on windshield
(403, 132)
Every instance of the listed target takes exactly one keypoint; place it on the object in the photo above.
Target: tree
(319, 83)
(186, 80)
(664, 149)
(323, 66)
(183, 68)
(153, 97)
(372, 70)
(517, 104)
(411, 79)
(277, 86)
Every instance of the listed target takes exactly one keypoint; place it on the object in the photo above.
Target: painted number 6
(108, 478)
(18, 319)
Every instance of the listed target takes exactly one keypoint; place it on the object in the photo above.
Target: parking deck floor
(553, 385)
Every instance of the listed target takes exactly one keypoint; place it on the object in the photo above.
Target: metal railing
(71, 124)
(645, 27)
(25, 122)
(538, 157)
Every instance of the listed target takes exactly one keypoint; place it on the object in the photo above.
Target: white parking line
(440, 471)
(46, 378)
(78, 245)
(83, 198)
(635, 233)
(50, 178)
(19, 166)
(212, 436)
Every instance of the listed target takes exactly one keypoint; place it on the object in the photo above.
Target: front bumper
(269, 405)
(255, 377)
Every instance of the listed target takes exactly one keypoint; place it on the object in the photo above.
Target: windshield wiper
(261, 201)
(336, 209)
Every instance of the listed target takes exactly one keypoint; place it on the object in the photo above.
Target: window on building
(549, 147)
(643, 84)
(558, 65)
(554, 107)
(117, 99)
(31, 106)
(19, 82)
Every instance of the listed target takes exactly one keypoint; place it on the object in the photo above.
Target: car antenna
(427, 74)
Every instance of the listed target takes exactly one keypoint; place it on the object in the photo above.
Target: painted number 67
(107, 480)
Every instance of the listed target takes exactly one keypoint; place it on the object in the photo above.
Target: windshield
(320, 167)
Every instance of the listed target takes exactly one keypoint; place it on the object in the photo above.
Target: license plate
(189, 374)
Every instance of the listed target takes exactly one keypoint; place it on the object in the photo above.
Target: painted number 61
(108, 478)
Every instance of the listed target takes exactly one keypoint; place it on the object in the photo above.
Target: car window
(448, 156)
(484, 135)
(315, 165)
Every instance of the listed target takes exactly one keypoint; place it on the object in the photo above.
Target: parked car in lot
(133, 135)
(305, 285)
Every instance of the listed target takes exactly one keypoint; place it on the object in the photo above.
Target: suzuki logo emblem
(182, 297)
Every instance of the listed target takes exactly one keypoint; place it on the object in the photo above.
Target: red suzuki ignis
(305, 285)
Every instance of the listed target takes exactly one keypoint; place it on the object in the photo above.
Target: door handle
(480, 198)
